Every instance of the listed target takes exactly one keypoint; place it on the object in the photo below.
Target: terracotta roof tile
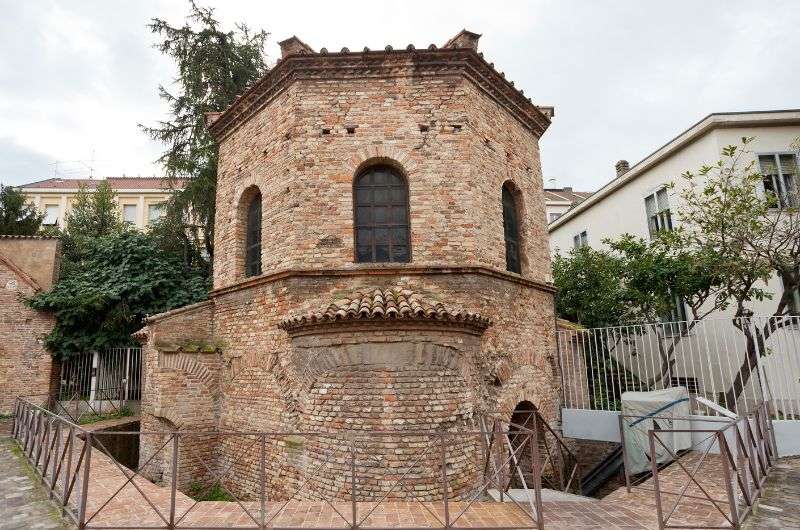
(117, 183)
(562, 195)
(395, 303)
(15, 236)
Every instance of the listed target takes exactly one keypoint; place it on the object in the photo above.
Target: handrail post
(54, 479)
(444, 481)
(725, 453)
(262, 479)
(71, 442)
(14, 419)
(537, 478)
(354, 506)
(85, 481)
(174, 485)
(624, 452)
(651, 434)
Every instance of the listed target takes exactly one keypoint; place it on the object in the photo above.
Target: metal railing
(739, 451)
(737, 363)
(351, 474)
(89, 376)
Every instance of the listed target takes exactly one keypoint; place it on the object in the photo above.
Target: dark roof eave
(465, 60)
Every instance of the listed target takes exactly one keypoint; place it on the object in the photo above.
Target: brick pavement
(23, 503)
(780, 505)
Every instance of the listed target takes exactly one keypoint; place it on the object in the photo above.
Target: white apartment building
(639, 202)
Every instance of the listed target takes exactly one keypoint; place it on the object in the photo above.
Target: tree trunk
(749, 362)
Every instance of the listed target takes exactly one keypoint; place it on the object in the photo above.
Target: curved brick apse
(381, 264)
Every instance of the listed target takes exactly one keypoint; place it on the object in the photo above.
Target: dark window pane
(381, 202)
(381, 196)
(364, 254)
(399, 236)
(400, 254)
(398, 195)
(253, 238)
(363, 195)
(364, 236)
(382, 236)
(363, 216)
(399, 214)
(381, 253)
(511, 231)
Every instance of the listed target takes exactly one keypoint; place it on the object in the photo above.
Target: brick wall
(26, 368)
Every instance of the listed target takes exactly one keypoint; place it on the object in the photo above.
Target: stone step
(548, 495)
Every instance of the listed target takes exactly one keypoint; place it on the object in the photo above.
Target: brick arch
(523, 387)
(169, 417)
(382, 154)
(190, 366)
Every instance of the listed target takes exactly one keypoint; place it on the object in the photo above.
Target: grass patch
(6, 416)
(94, 418)
(215, 493)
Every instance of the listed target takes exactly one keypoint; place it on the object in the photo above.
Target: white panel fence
(735, 363)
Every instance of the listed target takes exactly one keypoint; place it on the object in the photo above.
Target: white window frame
(781, 184)
(47, 221)
(581, 239)
(161, 206)
(662, 218)
(552, 216)
(135, 213)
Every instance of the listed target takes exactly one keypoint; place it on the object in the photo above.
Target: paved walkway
(780, 505)
(23, 503)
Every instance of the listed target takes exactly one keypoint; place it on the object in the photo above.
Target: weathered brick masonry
(319, 343)
(27, 265)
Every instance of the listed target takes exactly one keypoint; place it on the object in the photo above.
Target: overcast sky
(624, 76)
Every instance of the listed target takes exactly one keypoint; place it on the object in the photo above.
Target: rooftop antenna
(88, 164)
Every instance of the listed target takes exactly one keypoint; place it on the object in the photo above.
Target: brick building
(381, 263)
(28, 264)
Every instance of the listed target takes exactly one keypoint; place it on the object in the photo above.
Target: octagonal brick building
(381, 265)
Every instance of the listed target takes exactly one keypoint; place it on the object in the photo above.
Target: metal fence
(445, 475)
(736, 363)
(739, 453)
(115, 374)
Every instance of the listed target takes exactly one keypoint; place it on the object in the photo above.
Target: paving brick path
(23, 503)
(780, 505)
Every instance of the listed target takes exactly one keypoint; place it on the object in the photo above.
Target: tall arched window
(252, 255)
(511, 231)
(380, 197)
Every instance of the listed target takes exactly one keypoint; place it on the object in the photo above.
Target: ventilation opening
(326, 131)
(351, 129)
(456, 128)
(423, 128)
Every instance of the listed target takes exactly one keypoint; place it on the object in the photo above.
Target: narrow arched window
(511, 231)
(380, 196)
(252, 258)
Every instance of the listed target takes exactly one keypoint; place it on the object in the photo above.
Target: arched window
(511, 231)
(380, 197)
(252, 255)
